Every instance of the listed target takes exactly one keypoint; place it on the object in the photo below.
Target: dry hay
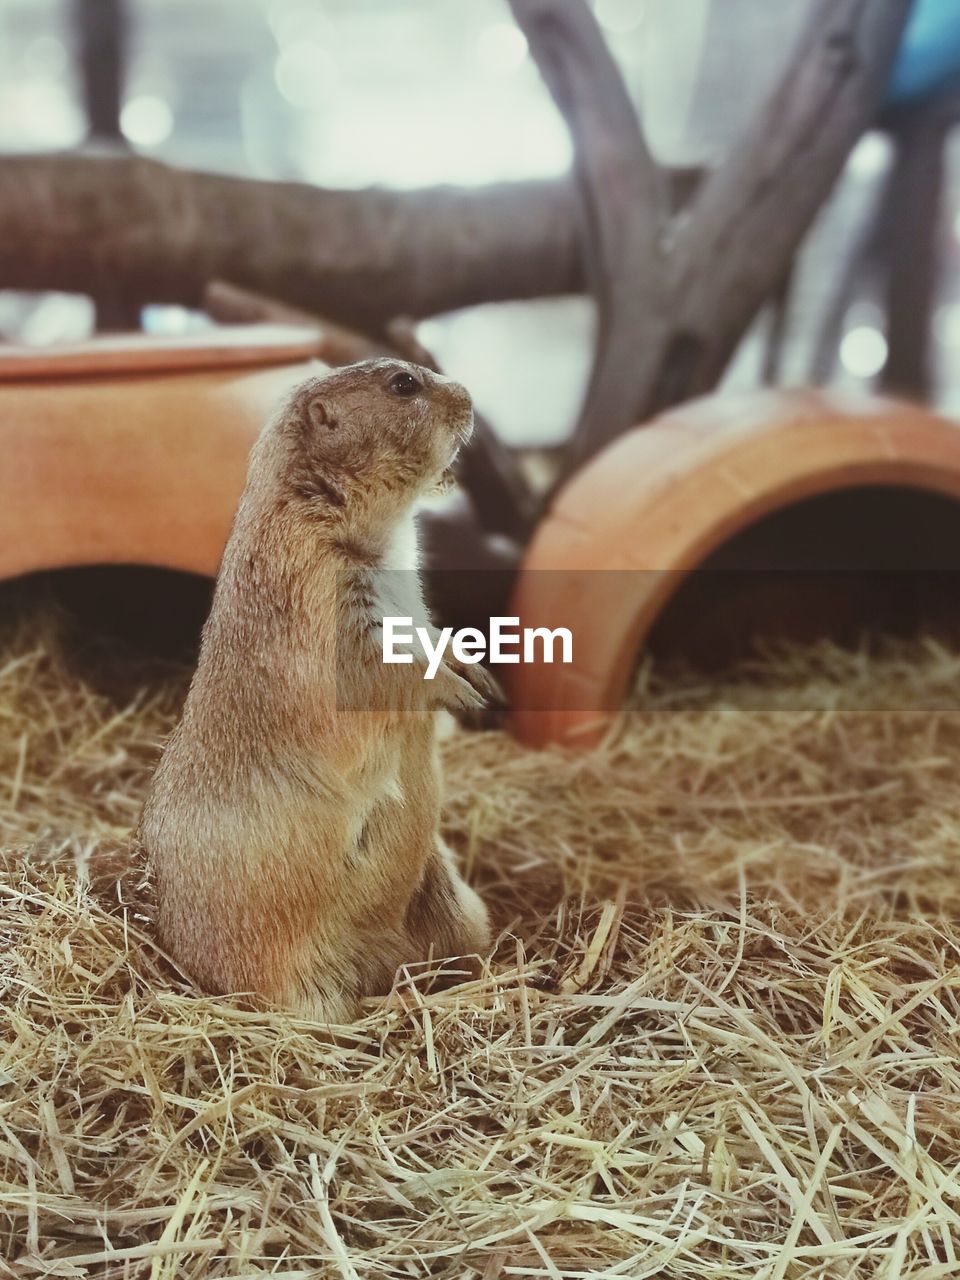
(718, 1038)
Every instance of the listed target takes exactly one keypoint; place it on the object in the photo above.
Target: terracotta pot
(133, 450)
(667, 495)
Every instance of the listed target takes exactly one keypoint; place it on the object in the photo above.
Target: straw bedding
(719, 1036)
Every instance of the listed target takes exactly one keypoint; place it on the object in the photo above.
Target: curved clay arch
(664, 497)
(134, 451)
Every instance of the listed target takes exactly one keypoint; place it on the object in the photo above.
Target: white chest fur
(399, 592)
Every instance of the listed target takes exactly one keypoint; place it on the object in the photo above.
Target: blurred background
(406, 93)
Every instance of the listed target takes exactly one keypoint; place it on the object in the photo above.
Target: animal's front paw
(456, 693)
(485, 685)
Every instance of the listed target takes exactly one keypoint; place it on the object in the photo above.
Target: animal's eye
(404, 384)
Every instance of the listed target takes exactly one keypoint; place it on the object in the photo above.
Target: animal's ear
(319, 416)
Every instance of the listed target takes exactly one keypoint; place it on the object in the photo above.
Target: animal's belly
(396, 826)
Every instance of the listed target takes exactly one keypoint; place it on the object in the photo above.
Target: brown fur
(293, 822)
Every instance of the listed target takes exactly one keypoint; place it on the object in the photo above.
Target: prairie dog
(292, 825)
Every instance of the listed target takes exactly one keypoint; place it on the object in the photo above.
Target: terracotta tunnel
(625, 535)
(133, 450)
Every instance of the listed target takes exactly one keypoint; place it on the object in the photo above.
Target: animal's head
(371, 437)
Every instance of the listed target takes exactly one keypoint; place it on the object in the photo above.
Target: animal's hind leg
(445, 916)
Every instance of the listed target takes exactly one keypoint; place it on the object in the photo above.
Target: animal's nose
(458, 394)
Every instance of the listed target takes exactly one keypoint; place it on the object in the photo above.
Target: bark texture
(73, 221)
(699, 278)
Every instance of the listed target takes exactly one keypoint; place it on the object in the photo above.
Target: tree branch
(746, 220)
(622, 196)
(73, 221)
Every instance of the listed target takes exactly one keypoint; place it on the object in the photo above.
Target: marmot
(292, 825)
